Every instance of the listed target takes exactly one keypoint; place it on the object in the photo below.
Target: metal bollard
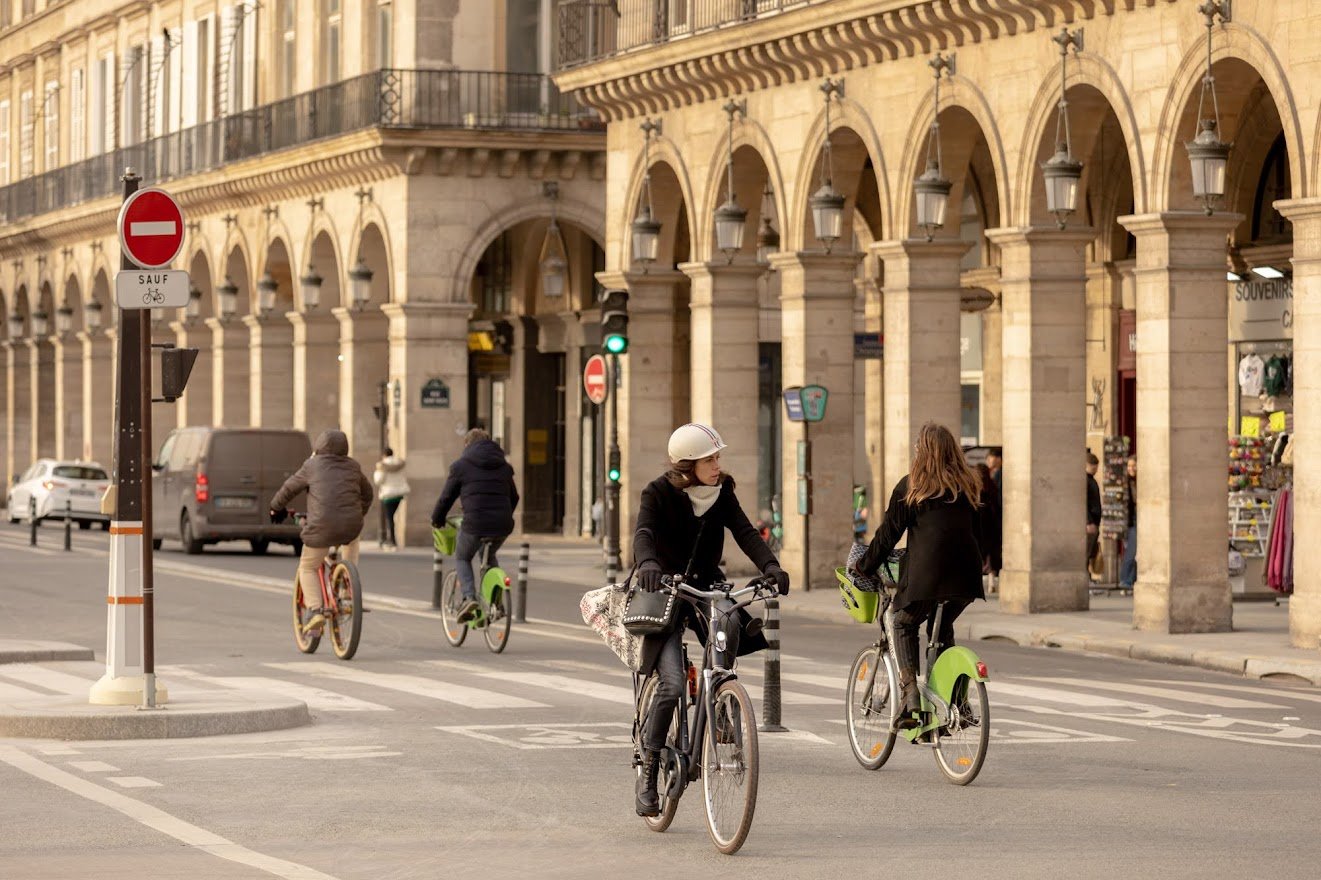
(437, 577)
(771, 682)
(520, 589)
(32, 522)
(68, 525)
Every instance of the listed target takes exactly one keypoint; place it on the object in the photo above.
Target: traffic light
(612, 473)
(614, 322)
(176, 367)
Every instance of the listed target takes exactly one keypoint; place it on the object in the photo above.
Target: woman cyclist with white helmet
(681, 530)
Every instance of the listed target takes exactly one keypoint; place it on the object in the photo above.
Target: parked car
(55, 484)
(214, 484)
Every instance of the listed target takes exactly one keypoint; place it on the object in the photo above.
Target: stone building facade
(413, 151)
(1117, 324)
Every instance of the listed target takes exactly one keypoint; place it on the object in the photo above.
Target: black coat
(338, 493)
(667, 531)
(484, 482)
(1093, 501)
(944, 559)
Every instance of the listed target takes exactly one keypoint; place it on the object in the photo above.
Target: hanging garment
(1286, 579)
(1250, 371)
(1274, 376)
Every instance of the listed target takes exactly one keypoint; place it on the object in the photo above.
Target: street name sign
(594, 382)
(154, 289)
(793, 403)
(435, 394)
(151, 228)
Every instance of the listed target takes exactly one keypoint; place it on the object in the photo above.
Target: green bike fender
(494, 580)
(951, 664)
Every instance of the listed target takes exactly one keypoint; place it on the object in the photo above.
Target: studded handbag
(652, 614)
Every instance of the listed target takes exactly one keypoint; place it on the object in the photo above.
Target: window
(50, 129)
(331, 23)
(132, 81)
(523, 36)
(102, 122)
(495, 273)
(6, 13)
(288, 57)
(25, 134)
(4, 142)
(204, 72)
(79, 472)
(29, 7)
(384, 35)
(77, 116)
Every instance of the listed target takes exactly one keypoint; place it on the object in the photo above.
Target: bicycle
(722, 731)
(341, 601)
(493, 615)
(956, 716)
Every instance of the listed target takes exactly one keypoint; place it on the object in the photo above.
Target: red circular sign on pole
(594, 383)
(151, 228)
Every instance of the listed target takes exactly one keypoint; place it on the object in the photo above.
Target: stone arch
(848, 119)
(73, 298)
(323, 257)
(589, 218)
(100, 294)
(237, 268)
(1233, 46)
(373, 248)
(199, 272)
(322, 227)
(278, 262)
(755, 164)
(675, 191)
(22, 308)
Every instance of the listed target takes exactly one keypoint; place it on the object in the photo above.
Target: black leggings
(911, 616)
(671, 679)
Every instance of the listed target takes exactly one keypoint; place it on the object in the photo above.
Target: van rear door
(282, 453)
(233, 471)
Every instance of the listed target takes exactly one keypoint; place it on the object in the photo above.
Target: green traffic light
(614, 475)
(616, 344)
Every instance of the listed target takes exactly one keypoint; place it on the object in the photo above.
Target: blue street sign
(793, 403)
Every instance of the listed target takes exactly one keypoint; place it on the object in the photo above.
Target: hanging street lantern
(229, 297)
(645, 230)
(194, 308)
(931, 189)
(360, 283)
(768, 240)
(15, 325)
(266, 288)
(1207, 154)
(730, 219)
(92, 313)
(63, 320)
(827, 206)
(311, 287)
(40, 323)
(1062, 172)
(554, 267)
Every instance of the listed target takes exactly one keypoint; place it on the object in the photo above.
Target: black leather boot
(648, 801)
(910, 702)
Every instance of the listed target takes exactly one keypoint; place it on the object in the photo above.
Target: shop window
(495, 274)
(1268, 225)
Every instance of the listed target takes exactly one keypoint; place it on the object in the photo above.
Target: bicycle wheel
(960, 744)
(869, 713)
(345, 622)
(498, 620)
(306, 642)
(664, 781)
(450, 601)
(729, 768)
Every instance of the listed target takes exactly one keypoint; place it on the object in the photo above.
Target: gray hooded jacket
(338, 493)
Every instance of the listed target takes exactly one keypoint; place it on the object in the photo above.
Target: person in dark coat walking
(936, 504)
(338, 498)
(992, 537)
(1093, 510)
(681, 531)
(483, 482)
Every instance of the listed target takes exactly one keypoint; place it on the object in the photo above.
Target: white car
(54, 484)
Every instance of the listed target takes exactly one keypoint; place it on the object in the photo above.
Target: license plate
(82, 493)
(236, 503)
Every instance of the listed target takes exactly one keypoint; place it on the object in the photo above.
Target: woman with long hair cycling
(937, 505)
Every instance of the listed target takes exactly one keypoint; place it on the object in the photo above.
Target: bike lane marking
(157, 819)
(537, 737)
(581, 687)
(1261, 690)
(316, 698)
(472, 698)
(1216, 700)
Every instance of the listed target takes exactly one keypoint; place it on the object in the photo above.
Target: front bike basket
(444, 539)
(860, 604)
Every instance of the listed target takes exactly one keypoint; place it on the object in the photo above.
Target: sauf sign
(1261, 309)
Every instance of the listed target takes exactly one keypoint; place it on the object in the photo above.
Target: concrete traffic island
(190, 712)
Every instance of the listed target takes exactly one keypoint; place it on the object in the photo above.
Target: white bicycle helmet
(693, 442)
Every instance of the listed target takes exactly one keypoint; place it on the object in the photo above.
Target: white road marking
(1243, 689)
(11, 692)
(1200, 699)
(57, 750)
(51, 679)
(594, 690)
(550, 736)
(152, 227)
(1050, 695)
(331, 752)
(790, 698)
(1046, 733)
(184, 832)
(93, 766)
(134, 782)
(473, 698)
(316, 698)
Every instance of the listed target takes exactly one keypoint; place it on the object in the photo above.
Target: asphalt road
(427, 761)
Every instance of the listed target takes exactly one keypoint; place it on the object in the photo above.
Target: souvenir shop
(1260, 479)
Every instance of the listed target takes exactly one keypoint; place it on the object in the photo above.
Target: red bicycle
(341, 603)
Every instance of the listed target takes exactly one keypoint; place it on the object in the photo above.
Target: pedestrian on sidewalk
(937, 505)
(992, 512)
(1128, 569)
(995, 461)
(1093, 512)
(392, 486)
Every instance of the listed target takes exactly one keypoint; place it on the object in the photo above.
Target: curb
(33, 651)
(68, 718)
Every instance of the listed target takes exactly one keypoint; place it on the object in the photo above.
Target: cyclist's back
(338, 498)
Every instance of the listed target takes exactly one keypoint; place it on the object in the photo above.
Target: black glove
(649, 577)
(780, 576)
(279, 516)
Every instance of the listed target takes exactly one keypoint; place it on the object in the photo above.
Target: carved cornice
(808, 43)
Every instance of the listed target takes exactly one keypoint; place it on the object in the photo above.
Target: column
(18, 434)
(315, 371)
(873, 394)
(271, 369)
(196, 405)
(1043, 291)
(69, 387)
(817, 299)
(98, 373)
(993, 382)
(647, 394)
(427, 341)
(6, 473)
(229, 374)
(1104, 292)
(724, 390)
(42, 359)
(921, 333)
(1305, 606)
(1182, 319)
(364, 349)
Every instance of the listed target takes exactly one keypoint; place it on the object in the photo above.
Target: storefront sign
(1128, 341)
(1261, 309)
(435, 395)
(867, 347)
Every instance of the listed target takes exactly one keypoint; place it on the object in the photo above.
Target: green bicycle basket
(860, 604)
(444, 539)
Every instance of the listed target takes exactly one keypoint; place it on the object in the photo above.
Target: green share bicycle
(493, 617)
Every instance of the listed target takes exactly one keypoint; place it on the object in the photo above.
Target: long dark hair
(940, 468)
(683, 474)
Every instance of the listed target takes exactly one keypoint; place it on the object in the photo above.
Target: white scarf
(703, 497)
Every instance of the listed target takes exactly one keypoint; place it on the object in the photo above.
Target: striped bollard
(68, 525)
(520, 589)
(771, 685)
(437, 577)
(611, 568)
(32, 522)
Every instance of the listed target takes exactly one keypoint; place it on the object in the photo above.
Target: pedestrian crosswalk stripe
(1243, 689)
(790, 698)
(51, 679)
(1138, 690)
(998, 689)
(473, 698)
(582, 687)
(12, 692)
(316, 698)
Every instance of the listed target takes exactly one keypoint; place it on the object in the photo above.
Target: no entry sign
(594, 379)
(151, 228)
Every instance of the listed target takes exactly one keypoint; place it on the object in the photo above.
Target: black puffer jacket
(484, 482)
(338, 493)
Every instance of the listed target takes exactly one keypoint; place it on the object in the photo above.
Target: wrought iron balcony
(388, 99)
(591, 30)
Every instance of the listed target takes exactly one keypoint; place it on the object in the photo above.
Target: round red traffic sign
(151, 228)
(594, 379)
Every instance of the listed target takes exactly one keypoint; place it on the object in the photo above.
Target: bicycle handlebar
(674, 584)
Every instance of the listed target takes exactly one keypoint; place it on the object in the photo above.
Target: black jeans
(670, 681)
(912, 616)
(391, 506)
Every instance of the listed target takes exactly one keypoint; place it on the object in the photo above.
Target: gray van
(215, 484)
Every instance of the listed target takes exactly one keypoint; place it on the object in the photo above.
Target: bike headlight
(721, 640)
